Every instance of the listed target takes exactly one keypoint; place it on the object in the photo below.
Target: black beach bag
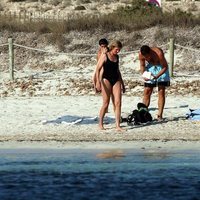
(139, 115)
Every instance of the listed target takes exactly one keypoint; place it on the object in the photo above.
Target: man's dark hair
(103, 41)
(145, 50)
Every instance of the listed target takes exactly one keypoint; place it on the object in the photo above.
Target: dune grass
(137, 16)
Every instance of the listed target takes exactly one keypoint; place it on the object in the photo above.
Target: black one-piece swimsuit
(111, 70)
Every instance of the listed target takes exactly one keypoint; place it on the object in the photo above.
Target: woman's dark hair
(145, 50)
(103, 41)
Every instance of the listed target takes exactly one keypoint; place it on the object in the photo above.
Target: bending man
(152, 60)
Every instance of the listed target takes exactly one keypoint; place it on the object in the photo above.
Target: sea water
(88, 174)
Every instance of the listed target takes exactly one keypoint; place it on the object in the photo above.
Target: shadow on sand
(156, 122)
(73, 119)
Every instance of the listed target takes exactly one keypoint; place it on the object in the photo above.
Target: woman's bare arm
(122, 82)
(100, 63)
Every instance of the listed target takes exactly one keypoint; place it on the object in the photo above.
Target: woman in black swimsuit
(111, 83)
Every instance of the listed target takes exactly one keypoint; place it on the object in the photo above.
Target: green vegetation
(16, 0)
(139, 15)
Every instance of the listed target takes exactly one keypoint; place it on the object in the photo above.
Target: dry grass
(129, 21)
(138, 16)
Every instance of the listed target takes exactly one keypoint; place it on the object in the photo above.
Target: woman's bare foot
(101, 127)
(119, 129)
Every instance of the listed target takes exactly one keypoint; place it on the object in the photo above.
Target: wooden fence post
(11, 58)
(171, 56)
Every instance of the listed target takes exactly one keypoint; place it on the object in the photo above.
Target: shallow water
(99, 174)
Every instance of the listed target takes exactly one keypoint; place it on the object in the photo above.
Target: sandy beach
(51, 101)
(75, 119)
(58, 108)
(51, 145)
(61, 106)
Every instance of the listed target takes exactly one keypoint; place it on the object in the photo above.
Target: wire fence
(39, 59)
(187, 48)
(2, 45)
(51, 52)
(187, 59)
(24, 16)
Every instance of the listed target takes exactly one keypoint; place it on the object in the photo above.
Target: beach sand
(69, 119)
(55, 107)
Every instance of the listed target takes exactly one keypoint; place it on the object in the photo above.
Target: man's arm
(163, 63)
(142, 63)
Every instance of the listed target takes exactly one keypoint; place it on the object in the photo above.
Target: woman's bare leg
(113, 102)
(106, 92)
(117, 95)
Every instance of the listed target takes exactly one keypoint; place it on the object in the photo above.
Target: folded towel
(147, 75)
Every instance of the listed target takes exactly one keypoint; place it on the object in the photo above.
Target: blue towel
(193, 115)
(155, 69)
